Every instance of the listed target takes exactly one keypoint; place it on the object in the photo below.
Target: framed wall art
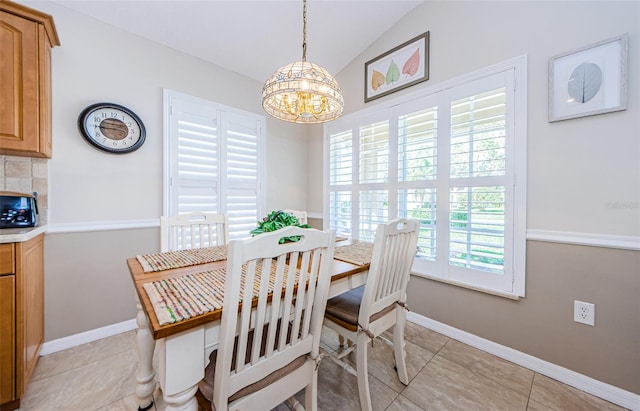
(398, 68)
(588, 81)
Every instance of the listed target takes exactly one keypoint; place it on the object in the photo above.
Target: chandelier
(302, 92)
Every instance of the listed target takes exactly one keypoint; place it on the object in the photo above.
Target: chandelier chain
(304, 30)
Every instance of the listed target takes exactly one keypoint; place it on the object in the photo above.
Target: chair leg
(363, 373)
(311, 394)
(398, 347)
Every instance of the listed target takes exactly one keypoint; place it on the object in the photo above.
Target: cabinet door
(20, 91)
(7, 339)
(7, 262)
(30, 303)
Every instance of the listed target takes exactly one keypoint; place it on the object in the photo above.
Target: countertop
(19, 235)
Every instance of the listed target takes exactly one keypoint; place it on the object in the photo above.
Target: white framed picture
(588, 81)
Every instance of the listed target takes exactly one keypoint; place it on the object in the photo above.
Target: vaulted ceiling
(256, 37)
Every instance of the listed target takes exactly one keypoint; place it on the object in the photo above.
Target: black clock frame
(83, 131)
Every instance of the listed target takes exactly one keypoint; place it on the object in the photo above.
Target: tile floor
(444, 375)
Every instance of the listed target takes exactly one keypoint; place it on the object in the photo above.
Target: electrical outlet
(584, 313)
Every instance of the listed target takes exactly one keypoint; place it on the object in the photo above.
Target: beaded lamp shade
(302, 92)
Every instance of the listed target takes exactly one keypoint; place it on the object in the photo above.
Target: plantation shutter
(448, 159)
(213, 161)
(242, 174)
(480, 192)
(195, 155)
(417, 173)
(374, 177)
(341, 181)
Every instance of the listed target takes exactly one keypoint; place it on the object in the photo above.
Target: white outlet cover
(584, 313)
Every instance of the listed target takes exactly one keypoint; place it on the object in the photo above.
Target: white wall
(89, 188)
(96, 63)
(583, 174)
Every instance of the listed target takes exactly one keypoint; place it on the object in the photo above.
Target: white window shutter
(448, 158)
(214, 161)
(242, 147)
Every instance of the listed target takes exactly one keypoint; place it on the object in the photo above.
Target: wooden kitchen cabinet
(26, 39)
(21, 316)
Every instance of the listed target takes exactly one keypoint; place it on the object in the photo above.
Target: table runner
(180, 298)
(181, 258)
(358, 253)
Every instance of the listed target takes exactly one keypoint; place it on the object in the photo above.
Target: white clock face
(112, 128)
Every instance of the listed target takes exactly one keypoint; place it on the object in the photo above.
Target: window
(213, 161)
(452, 157)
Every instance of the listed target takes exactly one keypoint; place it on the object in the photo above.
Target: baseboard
(582, 382)
(71, 341)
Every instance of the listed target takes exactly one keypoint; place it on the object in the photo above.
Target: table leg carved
(145, 383)
(182, 401)
(182, 364)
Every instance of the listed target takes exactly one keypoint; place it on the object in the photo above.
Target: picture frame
(399, 68)
(588, 81)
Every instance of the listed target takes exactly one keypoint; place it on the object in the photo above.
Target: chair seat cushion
(344, 309)
(206, 385)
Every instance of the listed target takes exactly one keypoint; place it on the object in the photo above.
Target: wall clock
(112, 128)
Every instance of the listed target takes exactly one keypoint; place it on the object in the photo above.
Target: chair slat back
(299, 214)
(193, 230)
(288, 286)
(393, 253)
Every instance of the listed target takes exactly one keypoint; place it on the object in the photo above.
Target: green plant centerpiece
(276, 220)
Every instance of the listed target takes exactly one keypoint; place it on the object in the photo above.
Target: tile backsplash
(26, 175)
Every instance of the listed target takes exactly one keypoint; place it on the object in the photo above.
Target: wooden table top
(341, 269)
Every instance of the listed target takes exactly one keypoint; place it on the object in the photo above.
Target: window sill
(502, 294)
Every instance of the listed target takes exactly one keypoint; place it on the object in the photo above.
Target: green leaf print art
(393, 73)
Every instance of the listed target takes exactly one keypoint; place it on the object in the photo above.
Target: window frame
(223, 114)
(515, 157)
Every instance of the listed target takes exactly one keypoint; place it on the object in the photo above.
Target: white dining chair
(269, 349)
(299, 214)
(193, 230)
(364, 313)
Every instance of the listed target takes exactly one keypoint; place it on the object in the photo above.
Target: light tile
(127, 403)
(66, 360)
(445, 385)
(559, 396)
(87, 387)
(486, 365)
(401, 403)
(444, 375)
(381, 362)
(424, 337)
(536, 406)
(338, 388)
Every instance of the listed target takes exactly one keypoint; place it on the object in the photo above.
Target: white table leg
(182, 401)
(182, 364)
(145, 384)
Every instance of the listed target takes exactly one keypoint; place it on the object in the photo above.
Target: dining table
(181, 327)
